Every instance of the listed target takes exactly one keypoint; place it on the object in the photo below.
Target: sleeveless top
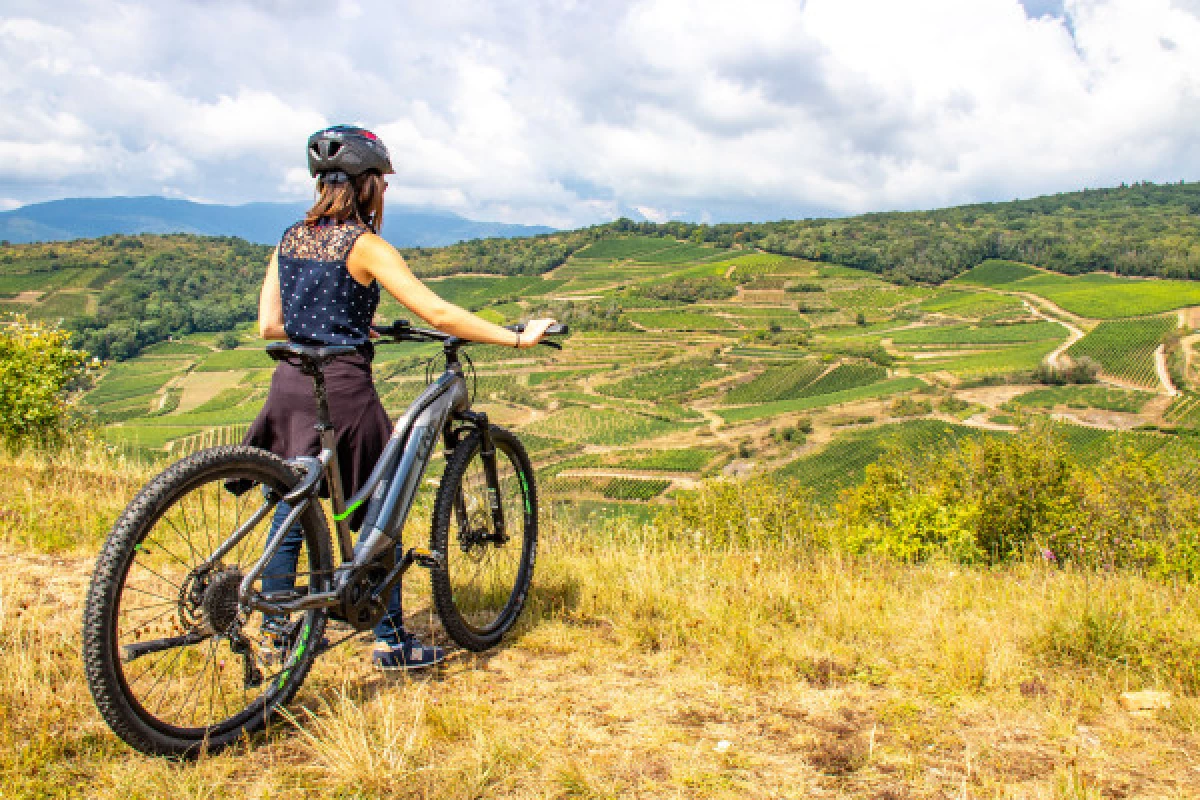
(322, 302)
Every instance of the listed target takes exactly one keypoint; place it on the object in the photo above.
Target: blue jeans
(279, 575)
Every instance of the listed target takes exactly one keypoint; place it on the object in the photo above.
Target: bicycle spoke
(204, 521)
(154, 618)
(151, 594)
(168, 581)
(146, 543)
(187, 539)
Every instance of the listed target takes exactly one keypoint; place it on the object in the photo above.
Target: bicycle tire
(467, 625)
(135, 534)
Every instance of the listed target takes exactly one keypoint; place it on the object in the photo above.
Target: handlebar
(403, 331)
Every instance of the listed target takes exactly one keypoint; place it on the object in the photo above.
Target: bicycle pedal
(429, 559)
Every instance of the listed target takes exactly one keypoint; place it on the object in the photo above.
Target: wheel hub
(220, 601)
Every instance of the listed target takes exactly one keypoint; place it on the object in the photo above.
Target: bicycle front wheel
(481, 586)
(175, 664)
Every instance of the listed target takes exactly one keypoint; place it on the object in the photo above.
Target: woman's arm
(372, 257)
(270, 303)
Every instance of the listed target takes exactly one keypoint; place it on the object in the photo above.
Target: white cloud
(570, 113)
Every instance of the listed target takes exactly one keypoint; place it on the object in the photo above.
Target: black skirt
(286, 423)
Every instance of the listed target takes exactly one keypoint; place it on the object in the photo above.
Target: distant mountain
(89, 217)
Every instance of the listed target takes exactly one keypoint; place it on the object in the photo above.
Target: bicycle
(176, 607)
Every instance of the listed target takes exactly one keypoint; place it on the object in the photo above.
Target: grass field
(770, 410)
(680, 321)
(601, 426)
(841, 463)
(622, 248)
(475, 292)
(1084, 397)
(662, 383)
(761, 670)
(973, 305)
(241, 358)
(775, 383)
(1019, 359)
(957, 335)
(1096, 296)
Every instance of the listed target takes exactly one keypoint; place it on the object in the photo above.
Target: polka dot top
(322, 302)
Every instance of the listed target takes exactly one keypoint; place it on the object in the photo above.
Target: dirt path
(28, 296)
(1075, 333)
(200, 387)
(1164, 375)
(1187, 343)
(981, 421)
(1101, 420)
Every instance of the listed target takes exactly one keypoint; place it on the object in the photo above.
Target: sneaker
(408, 653)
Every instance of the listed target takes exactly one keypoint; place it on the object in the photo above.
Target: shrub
(1141, 510)
(992, 500)
(952, 404)
(227, 340)
(688, 290)
(759, 510)
(910, 407)
(1083, 369)
(38, 370)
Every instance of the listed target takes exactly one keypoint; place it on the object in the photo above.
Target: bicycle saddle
(308, 359)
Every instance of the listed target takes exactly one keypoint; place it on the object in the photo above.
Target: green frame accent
(349, 510)
(525, 493)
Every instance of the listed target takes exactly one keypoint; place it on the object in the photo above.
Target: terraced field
(1096, 295)
(776, 383)
(1125, 348)
(810, 370)
(1106, 399)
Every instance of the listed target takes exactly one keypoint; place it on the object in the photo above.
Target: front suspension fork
(487, 453)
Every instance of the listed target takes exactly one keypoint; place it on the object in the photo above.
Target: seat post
(324, 422)
(333, 469)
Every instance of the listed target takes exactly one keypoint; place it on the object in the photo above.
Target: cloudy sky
(567, 113)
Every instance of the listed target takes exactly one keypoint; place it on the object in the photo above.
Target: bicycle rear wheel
(480, 589)
(174, 664)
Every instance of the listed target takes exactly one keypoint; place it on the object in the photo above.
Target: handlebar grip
(397, 327)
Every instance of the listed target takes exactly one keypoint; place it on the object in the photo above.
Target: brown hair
(359, 199)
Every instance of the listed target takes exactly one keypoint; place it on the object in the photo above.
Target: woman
(322, 288)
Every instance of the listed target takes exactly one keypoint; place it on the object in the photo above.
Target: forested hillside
(1144, 229)
(120, 294)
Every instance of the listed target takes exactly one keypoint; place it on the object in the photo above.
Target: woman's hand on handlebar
(535, 329)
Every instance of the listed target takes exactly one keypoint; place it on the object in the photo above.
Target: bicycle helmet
(344, 150)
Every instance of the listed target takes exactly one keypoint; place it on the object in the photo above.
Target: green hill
(684, 338)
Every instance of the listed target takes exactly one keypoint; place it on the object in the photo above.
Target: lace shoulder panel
(320, 242)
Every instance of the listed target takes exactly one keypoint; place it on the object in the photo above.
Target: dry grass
(636, 659)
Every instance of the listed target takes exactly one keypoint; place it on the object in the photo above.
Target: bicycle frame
(389, 490)
(368, 570)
